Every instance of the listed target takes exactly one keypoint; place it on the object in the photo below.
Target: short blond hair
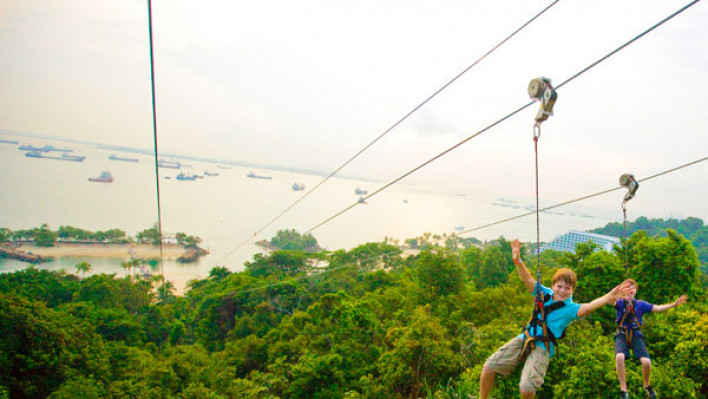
(631, 281)
(565, 275)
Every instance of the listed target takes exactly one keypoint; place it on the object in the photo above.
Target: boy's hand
(682, 299)
(516, 251)
(621, 291)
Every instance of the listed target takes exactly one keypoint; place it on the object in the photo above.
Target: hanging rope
(540, 89)
(628, 181)
(154, 130)
(536, 136)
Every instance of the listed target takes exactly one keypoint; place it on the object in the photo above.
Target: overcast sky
(309, 83)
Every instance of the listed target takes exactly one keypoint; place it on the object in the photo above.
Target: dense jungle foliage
(364, 323)
(692, 228)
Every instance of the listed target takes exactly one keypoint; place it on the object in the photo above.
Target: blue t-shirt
(640, 308)
(559, 319)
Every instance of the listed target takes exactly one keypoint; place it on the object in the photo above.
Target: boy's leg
(621, 353)
(486, 382)
(534, 372)
(646, 370)
(639, 348)
(503, 362)
(621, 373)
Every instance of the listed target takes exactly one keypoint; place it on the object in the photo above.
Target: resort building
(569, 240)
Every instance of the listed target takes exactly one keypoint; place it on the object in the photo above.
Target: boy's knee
(619, 357)
(527, 391)
(645, 361)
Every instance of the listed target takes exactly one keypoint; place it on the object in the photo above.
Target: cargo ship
(105, 177)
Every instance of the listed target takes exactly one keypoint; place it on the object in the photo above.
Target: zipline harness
(633, 324)
(541, 90)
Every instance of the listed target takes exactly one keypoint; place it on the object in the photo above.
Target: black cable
(505, 117)
(682, 9)
(582, 198)
(390, 128)
(154, 130)
(484, 226)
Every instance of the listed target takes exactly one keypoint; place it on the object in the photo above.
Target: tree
(419, 355)
(291, 239)
(494, 268)
(665, 268)
(51, 287)
(279, 262)
(440, 273)
(40, 349)
(187, 241)
(127, 266)
(83, 267)
(219, 272)
(597, 271)
(471, 259)
(151, 235)
(5, 234)
(165, 292)
(44, 237)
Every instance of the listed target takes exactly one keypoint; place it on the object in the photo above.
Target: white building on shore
(568, 241)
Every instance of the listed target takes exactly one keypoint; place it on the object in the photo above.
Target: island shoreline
(101, 250)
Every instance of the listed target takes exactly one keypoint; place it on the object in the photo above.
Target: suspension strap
(624, 239)
(627, 180)
(536, 136)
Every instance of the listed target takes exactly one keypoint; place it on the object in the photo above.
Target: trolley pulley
(541, 90)
(628, 181)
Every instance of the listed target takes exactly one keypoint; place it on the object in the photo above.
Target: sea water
(231, 212)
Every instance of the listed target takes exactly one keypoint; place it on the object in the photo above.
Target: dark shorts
(639, 348)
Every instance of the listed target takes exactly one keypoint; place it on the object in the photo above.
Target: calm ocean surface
(226, 210)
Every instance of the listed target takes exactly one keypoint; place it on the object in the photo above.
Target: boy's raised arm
(524, 273)
(609, 298)
(662, 308)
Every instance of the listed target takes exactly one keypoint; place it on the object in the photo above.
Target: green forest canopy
(370, 323)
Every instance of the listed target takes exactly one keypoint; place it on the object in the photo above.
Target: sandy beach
(143, 251)
(119, 251)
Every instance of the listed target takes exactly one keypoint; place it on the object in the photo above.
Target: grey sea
(227, 210)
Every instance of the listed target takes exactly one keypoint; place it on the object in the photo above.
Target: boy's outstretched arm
(524, 273)
(609, 298)
(661, 308)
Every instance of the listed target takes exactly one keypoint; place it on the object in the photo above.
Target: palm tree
(164, 292)
(130, 265)
(83, 267)
(126, 266)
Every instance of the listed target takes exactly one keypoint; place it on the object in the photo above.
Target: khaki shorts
(505, 360)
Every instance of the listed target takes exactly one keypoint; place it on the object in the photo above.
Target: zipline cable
(154, 133)
(671, 16)
(582, 198)
(480, 227)
(391, 128)
(505, 117)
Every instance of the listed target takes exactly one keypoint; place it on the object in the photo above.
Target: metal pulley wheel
(536, 88)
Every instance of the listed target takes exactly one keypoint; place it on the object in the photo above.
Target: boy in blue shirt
(505, 360)
(629, 335)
